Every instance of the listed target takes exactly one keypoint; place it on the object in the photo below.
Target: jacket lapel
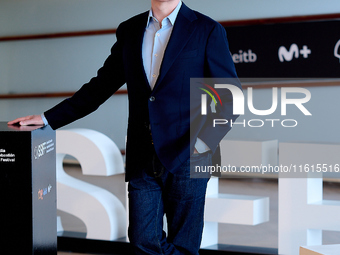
(181, 33)
(137, 47)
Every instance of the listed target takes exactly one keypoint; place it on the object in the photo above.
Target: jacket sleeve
(220, 67)
(110, 77)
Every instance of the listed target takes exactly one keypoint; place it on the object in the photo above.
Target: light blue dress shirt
(156, 38)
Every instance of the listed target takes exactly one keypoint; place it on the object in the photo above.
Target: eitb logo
(239, 104)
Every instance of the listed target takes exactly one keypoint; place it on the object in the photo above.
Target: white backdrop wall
(53, 65)
(44, 16)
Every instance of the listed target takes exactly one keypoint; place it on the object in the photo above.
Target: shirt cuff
(44, 119)
(200, 146)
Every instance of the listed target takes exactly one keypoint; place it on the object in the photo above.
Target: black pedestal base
(28, 183)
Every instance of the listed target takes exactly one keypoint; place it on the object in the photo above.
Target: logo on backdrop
(337, 51)
(244, 57)
(294, 52)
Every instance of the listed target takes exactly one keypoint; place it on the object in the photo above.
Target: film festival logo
(239, 105)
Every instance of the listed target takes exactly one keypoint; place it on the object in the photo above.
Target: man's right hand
(28, 120)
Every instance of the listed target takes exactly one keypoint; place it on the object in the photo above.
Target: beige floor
(263, 235)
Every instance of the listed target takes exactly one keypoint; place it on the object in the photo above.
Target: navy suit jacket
(197, 47)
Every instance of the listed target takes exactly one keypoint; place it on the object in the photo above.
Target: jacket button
(152, 99)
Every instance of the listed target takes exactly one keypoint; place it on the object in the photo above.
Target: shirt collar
(172, 16)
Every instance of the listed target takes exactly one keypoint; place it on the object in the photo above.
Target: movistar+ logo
(294, 52)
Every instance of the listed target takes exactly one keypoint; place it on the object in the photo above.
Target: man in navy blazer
(160, 143)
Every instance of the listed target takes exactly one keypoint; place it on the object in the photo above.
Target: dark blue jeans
(180, 197)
